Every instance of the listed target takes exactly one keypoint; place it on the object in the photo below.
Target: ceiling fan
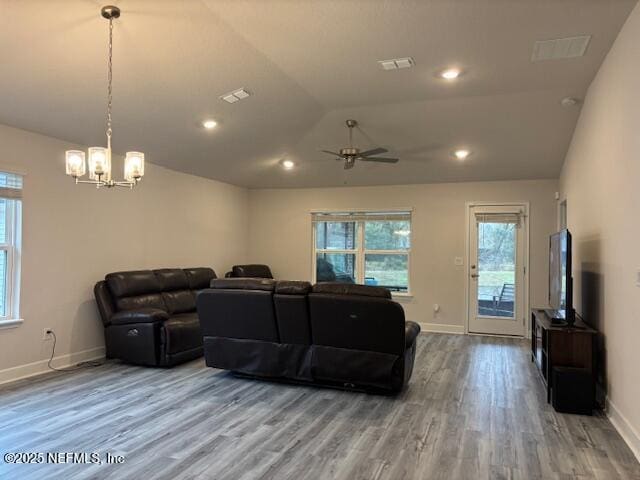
(350, 154)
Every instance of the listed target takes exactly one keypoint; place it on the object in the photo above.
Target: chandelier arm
(124, 184)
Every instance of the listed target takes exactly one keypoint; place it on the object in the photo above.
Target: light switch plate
(458, 261)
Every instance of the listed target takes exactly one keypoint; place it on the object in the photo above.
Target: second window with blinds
(370, 248)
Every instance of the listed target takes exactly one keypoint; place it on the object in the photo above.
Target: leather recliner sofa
(150, 317)
(250, 271)
(334, 334)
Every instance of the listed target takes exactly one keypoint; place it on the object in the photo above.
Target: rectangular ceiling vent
(560, 48)
(235, 96)
(396, 63)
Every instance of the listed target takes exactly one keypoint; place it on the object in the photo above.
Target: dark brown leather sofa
(250, 271)
(334, 334)
(150, 317)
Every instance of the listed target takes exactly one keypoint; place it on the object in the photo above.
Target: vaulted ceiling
(310, 65)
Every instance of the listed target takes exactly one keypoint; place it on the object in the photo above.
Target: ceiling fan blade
(380, 159)
(331, 153)
(375, 151)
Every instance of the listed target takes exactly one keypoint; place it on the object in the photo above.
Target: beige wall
(280, 235)
(601, 182)
(73, 235)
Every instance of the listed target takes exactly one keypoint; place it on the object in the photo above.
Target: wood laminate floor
(474, 409)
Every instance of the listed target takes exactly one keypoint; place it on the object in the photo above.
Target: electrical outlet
(46, 334)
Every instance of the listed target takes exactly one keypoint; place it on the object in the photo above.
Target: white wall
(74, 235)
(280, 235)
(601, 182)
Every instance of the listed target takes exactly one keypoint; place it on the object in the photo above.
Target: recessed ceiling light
(209, 124)
(462, 154)
(288, 164)
(450, 74)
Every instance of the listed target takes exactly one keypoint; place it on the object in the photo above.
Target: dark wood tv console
(560, 346)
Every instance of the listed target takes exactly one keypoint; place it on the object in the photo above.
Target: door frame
(467, 255)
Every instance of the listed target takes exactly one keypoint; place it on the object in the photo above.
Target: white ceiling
(310, 65)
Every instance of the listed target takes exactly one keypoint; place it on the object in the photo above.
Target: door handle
(475, 275)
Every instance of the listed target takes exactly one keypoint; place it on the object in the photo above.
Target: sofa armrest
(411, 331)
(142, 315)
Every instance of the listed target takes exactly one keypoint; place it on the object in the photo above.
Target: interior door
(497, 270)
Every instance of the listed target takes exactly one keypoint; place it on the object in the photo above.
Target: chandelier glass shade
(99, 158)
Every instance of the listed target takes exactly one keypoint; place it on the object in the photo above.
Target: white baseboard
(624, 428)
(441, 328)
(37, 368)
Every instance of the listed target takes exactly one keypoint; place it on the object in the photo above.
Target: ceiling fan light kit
(350, 154)
(100, 157)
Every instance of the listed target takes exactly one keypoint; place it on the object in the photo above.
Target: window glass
(3, 220)
(387, 270)
(3, 283)
(336, 267)
(496, 269)
(387, 235)
(336, 235)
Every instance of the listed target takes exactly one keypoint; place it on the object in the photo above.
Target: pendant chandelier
(100, 157)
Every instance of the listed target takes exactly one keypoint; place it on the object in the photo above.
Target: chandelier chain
(110, 78)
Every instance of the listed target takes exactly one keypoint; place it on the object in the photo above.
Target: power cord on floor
(78, 366)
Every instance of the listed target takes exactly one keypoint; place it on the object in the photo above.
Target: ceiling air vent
(560, 48)
(396, 63)
(233, 97)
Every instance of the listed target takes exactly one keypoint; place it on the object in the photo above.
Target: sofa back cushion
(238, 308)
(251, 271)
(128, 284)
(357, 322)
(292, 312)
(340, 288)
(175, 290)
(135, 289)
(263, 284)
(199, 277)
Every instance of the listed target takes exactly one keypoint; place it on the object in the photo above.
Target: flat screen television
(560, 281)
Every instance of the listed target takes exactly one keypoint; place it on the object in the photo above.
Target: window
(371, 248)
(10, 233)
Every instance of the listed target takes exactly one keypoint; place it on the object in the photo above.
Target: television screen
(560, 272)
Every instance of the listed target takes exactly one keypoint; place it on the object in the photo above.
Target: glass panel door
(496, 270)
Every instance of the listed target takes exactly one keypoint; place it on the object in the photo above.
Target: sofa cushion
(150, 300)
(292, 317)
(179, 301)
(357, 322)
(237, 313)
(172, 279)
(286, 287)
(251, 271)
(337, 288)
(199, 277)
(182, 332)
(243, 284)
(127, 284)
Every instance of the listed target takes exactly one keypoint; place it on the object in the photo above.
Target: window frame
(360, 251)
(11, 246)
